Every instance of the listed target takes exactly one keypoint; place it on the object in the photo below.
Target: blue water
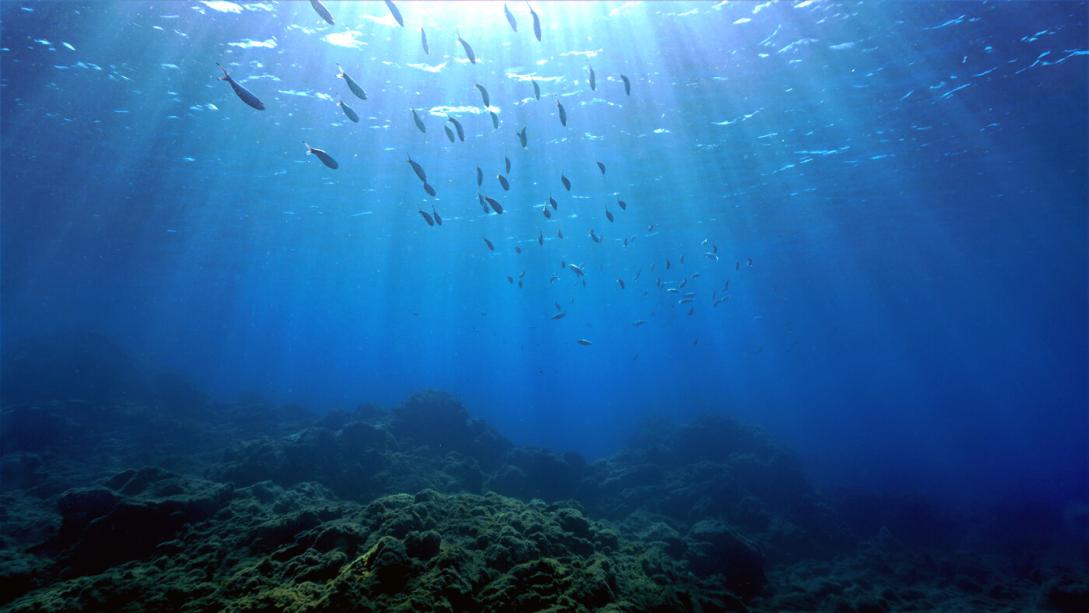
(908, 180)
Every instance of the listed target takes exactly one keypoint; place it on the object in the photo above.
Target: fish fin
(226, 76)
(309, 149)
(340, 74)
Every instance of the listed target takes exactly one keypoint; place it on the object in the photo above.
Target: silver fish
(593, 79)
(627, 84)
(536, 90)
(484, 95)
(510, 18)
(348, 111)
(609, 215)
(423, 42)
(430, 190)
(563, 113)
(503, 183)
(352, 85)
(492, 202)
(584, 342)
(536, 23)
(479, 176)
(449, 133)
(522, 137)
(506, 163)
(395, 12)
(468, 50)
(320, 9)
(416, 168)
(487, 242)
(419, 122)
(243, 94)
(601, 167)
(566, 182)
(323, 156)
(430, 221)
(495, 120)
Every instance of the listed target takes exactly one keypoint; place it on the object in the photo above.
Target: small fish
(479, 176)
(503, 183)
(638, 322)
(419, 122)
(563, 113)
(536, 90)
(492, 202)
(487, 242)
(711, 256)
(620, 282)
(685, 301)
(522, 137)
(691, 310)
(395, 12)
(750, 262)
(566, 182)
(536, 23)
(594, 237)
(547, 212)
(430, 190)
(427, 217)
(593, 79)
(557, 305)
(458, 127)
(495, 120)
(584, 342)
(553, 278)
(348, 111)
(323, 156)
(627, 84)
(510, 18)
(449, 133)
(609, 215)
(423, 42)
(352, 85)
(682, 259)
(416, 168)
(484, 95)
(520, 284)
(601, 167)
(577, 269)
(540, 238)
(737, 265)
(553, 202)
(650, 228)
(510, 279)
(435, 214)
(559, 315)
(468, 50)
(683, 284)
(559, 234)
(623, 205)
(518, 250)
(483, 205)
(243, 94)
(320, 9)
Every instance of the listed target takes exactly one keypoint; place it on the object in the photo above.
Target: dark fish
(395, 12)
(566, 182)
(553, 202)
(506, 164)
(518, 250)
(536, 23)
(323, 156)
(623, 205)
(495, 120)
(487, 242)
(457, 126)
(563, 113)
(492, 202)
(468, 50)
(691, 310)
(559, 234)
(510, 18)
(479, 176)
(352, 85)
(559, 315)
(593, 79)
(423, 41)
(627, 84)
(449, 133)
(522, 137)
(558, 307)
(483, 205)
(430, 190)
(540, 237)
(584, 342)
(244, 94)
(419, 122)
(510, 279)
(668, 264)
(750, 262)
(416, 168)
(484, 95)
(322, 11)
(650, 228)
(503, 183)
(638, 322)
(601, 167)
(427, 217)
(435, 214)
(536, 90)
(594, 237)
(576, 269)
(609, 215)
(682, 259)
(348, 112)
(547, 212)
(620, 282)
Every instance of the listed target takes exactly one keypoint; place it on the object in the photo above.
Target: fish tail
(340, 71)
(309, 149)
(225, 77)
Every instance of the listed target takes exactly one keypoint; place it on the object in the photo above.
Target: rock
(716, 549)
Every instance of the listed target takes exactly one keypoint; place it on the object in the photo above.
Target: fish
(243, 94)
(620, 282)
(323, 156)
(547, 213)
(427, 217)
(483, 205)
(510, 18)
(627, 84)
(352, 85)
(348, 111)
(609, 215)
(566, 182)
(691, 310)
(468, 50)
(650, 228)
(737, 265)
(416, 168)
(577, 269)
(320, 9)
(479, 176)
(484, 95)
(458, 127)
(750, 262)
(518, 250)
(492, 202)
(711, 256)
(559, 315)
(419, 122)
(396, 14)
(584, 342)
(520, 284)
(553, 279)
(449, 133)
(435, 214)
(536, 22)
(540, 237)
(594, 237)
(495, 120)
(423, 42)
(638, 322)
(487, 242)
(559, 234)
(563, 113)
(623, 205)
(430, 190)
(593, 79)
(536, 90)
(553, 202)
(668, 264)
(506, 164)
(522, 137)
(510, 279)
(601, 167)
(683, 284)
(503, 183)
(685, 300)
